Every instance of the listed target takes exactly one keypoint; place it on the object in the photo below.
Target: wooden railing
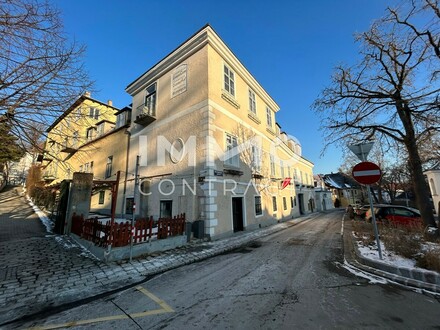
(119, 234)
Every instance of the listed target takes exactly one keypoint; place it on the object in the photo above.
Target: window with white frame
(229, 80)
(94, 113)
(150, 100)
(269, 117)
(252, 102)
(272, 166)
(256, 158)
(231, 158)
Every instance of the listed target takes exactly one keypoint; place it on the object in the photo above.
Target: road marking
(165, 308)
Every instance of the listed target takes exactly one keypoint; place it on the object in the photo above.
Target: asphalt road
(293, 279)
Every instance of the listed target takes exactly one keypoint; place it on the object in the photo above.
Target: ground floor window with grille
(166, 208)
(101, 197)
(129, 202)
(284, 203)
(258, 208)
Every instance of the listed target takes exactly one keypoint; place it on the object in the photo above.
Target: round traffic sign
(366, 173)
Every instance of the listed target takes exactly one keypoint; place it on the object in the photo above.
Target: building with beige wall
(90, 136)
(210, 146)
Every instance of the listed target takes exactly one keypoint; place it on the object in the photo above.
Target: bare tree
(392, 94)
(41, 72)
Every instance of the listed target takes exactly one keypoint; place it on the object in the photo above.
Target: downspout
(126, 170)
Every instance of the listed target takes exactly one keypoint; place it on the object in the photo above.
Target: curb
(424, 280)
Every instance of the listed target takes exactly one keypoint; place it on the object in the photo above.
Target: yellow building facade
(209, 145)
(89, 137)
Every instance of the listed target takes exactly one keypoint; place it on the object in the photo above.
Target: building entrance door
(301, 203)
(237, 213)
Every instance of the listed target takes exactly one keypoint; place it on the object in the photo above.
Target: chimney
(87, 94)
(110, 103)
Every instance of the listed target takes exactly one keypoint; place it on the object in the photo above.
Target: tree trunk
(421, 188)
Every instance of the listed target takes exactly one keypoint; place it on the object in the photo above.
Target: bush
(430, 260)
(364, 232)
(43, 197)
(404, 241)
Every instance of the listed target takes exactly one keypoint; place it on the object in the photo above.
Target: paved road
(288, 280)
(17, 218)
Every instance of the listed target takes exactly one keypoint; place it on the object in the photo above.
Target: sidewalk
(411, 277)
(43, 273)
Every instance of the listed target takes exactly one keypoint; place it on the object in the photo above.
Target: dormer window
(100, 129)
(90, 134)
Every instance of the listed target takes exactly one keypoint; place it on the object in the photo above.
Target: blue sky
(290, 47)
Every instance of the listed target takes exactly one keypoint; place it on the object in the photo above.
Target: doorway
(237, 213)
(301, 203)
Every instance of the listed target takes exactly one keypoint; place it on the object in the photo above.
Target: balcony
(69, 147)
(145, 115)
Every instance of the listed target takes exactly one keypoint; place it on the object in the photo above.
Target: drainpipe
(126, 170)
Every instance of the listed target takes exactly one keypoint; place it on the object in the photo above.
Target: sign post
(367, 173)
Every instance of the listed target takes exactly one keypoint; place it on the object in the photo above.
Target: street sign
(361, 150)
(366, 173)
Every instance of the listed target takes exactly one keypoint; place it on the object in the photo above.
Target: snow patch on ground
(388, 257)
(371, 278)
(43, 218)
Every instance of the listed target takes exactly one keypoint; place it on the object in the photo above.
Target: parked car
(360, 211)
(396, 215)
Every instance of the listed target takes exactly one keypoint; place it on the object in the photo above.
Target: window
(94, 113)
(229, 78)
(291, 202)
(284, 203)
(166, 208)
(231, 143)
(269, 116)
(282, 169)
(80, 168)
(90, 134)
(274, 203)
(101, 197)
(252, 103)
(258, 208)
(86, 167)
(121, 119)
(108, 168)
(129, 203)
(272, 166)
(91, 167)
(256, 159)
(100, 129)
(150, 100)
